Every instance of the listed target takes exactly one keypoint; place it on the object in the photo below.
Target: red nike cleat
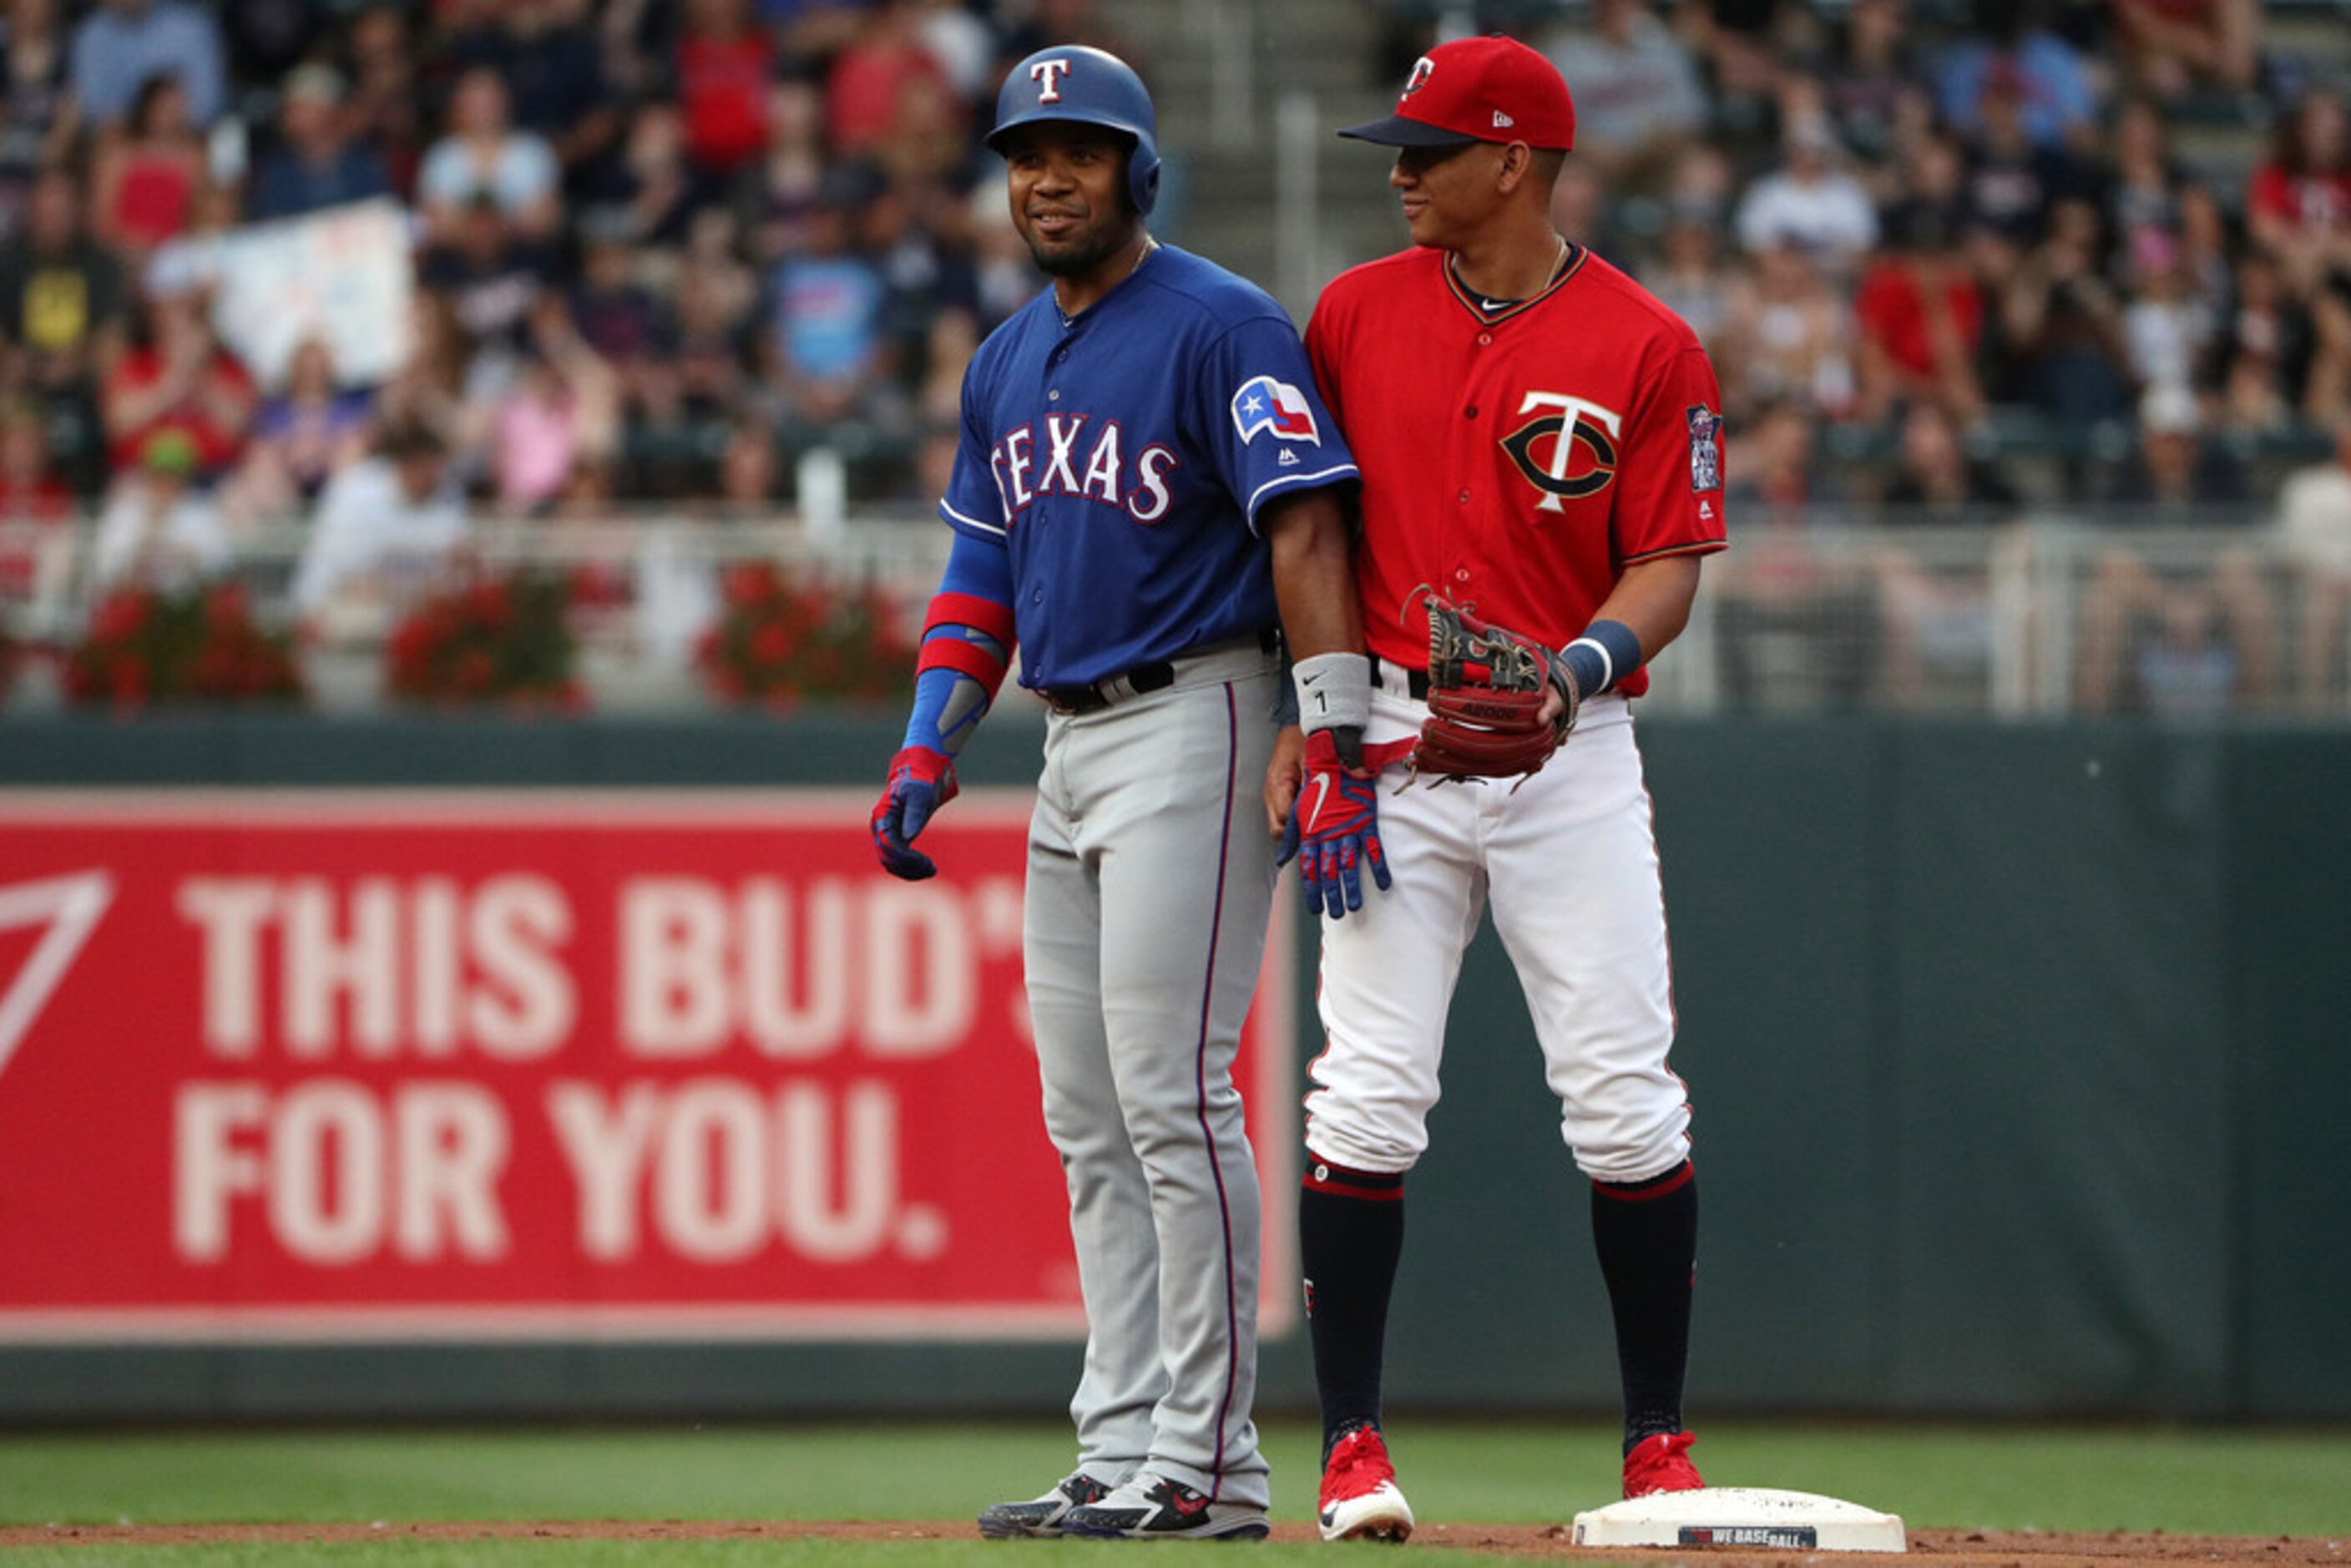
(1660, 1464)
(1360, 1500)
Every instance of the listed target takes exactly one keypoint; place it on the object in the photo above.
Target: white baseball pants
(1569, 861)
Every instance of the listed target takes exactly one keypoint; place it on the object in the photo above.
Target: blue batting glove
(920, 781)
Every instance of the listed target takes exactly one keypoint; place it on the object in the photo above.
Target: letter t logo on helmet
(1046, 74)
(1073, 82)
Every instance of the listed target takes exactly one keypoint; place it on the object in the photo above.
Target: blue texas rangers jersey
(1124, 457)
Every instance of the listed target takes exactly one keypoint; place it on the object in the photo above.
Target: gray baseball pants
(1150, 885)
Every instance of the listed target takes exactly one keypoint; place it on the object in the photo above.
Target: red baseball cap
(1478, 89)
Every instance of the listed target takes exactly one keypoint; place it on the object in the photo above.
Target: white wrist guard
(1334, 690)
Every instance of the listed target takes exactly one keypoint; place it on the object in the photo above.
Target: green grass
(2261, 1482)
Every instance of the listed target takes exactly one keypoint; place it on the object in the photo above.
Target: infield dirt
(1956, 1548)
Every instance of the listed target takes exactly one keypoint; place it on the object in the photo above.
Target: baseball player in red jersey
(1541, 442)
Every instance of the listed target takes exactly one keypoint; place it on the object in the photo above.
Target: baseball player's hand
(1283, 776)
(1334, 828)
(1554, 703)
(1499, 702)
(921, 780)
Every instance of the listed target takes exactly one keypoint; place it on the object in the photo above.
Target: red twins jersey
(1517, 461)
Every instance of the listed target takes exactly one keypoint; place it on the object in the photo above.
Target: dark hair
(2292, 154)
(410, 437)
(150, 92)
(1919, 226)
(2004, 22)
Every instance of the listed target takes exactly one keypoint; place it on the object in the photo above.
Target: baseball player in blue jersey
(1144, 491)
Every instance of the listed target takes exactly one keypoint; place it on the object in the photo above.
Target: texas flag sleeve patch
(1265, 404)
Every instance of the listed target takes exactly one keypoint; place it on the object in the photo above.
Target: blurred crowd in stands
(1951, 259)
(659, 245)
(1951, 256)
(1981, 206)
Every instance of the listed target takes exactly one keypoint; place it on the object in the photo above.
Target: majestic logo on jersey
(1047, 75)
(1069, 465)
(1422, 69)
(1706, 448)
(1571, 425)
(1264, 403)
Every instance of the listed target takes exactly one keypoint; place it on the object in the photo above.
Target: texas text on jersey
(1136, 483)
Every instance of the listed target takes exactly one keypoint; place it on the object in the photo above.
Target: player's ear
(1518, 159)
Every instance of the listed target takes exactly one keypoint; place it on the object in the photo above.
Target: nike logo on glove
(1335, 824)
(1321, 785)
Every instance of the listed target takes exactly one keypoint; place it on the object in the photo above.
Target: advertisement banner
(348, 1064)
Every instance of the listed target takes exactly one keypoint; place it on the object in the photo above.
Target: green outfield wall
(2018, 1058)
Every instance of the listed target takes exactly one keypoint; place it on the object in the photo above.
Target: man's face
(1068, 188)
(1617, 17)
(420, 475)
(828, 230)
(1446, 192)
(56, 213)
(309, 120)
(480, 108)
(1927, 446)
(2171, 456)
(376, 36)
(24, 450)
(607, 265)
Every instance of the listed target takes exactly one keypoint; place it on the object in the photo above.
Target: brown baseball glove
(1486, 690)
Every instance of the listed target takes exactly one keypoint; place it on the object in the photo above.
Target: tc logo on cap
(1489, 89)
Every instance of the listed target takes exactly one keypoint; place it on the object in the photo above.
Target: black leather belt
(1416, 681)
(1092, 698)
(1158, 675)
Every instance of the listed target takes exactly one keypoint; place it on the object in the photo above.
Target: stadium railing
(2044, 614)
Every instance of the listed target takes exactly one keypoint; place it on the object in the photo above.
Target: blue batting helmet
(1092, 87)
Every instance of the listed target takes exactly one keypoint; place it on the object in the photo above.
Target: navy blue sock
(1647, 1236)
(1350, 1235)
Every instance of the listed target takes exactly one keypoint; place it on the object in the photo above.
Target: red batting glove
(1334, 827)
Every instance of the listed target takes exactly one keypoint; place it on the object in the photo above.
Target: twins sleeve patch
(1264, 403)
(1706, 448)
